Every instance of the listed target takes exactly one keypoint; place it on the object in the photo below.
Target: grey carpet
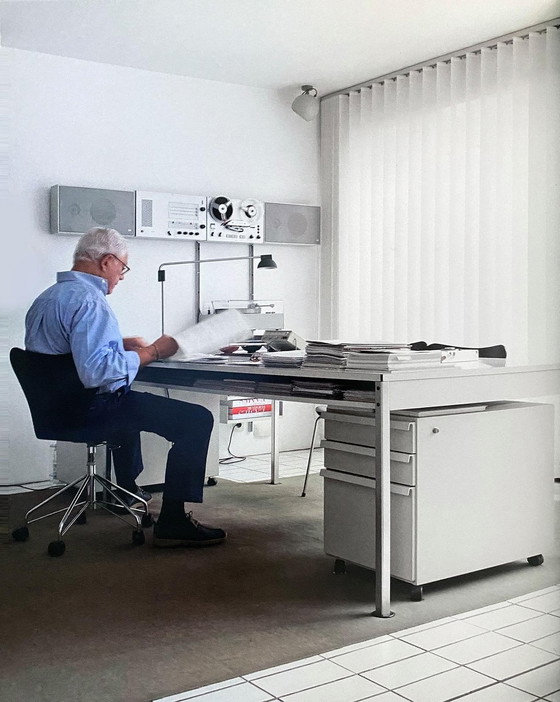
(110, 621)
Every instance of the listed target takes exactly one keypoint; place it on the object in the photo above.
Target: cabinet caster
(416, 593)
(211, 481)
(56, 548)
(147, 521)
(535, 560)
(138, 538)
(82, 519)
(21, 534)
(339, 567)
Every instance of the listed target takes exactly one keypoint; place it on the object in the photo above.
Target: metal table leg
(274, 451)
(382, 502)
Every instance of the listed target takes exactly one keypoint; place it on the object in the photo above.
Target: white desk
(488, 381)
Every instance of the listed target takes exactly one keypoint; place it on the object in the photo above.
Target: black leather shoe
(187, 532)
(134, 501)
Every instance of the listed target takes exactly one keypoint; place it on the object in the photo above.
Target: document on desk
(215, 331)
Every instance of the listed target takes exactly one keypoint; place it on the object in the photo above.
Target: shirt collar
(95, 281)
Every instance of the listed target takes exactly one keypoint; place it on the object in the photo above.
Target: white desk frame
(488, 381)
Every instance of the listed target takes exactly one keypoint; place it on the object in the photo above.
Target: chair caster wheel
(416, 593)
(138, 538)
(211, 481)
(21, 534)
(535, 560)
(82, 519)
(147, 521)
(56, 548)
(339, 566)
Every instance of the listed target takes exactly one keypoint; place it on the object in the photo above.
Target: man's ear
(103, 262)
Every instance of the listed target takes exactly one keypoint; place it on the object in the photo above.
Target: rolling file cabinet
(469, 489)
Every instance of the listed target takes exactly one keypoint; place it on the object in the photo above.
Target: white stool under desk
(469, 490)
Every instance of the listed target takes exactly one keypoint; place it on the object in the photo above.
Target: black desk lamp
(266, 261)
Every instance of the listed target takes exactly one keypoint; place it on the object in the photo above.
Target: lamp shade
(306, 105)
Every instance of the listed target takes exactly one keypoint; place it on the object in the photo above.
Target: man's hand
(163, 347)
(132, 343)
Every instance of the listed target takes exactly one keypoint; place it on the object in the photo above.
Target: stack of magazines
(317, 388)
(325, 354)
(391, 359)
(335, 354)
(283, 359)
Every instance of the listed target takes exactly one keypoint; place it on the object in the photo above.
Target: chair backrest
(57, 398)
(497, 351)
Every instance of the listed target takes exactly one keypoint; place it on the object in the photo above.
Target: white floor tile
(408, 670)
(478, 647)
(445, 686)
(350, 690)
(532, 595)
(481, 610)
(422, 627)
(442, 635)
(513, 662)
(504, 616)
(281, 668)
(297, 679)
(357, 646)
(556, 613)
(544, 603)
(533, 629)
(498, 693)
(554, 697)
(375, 656)
(234, 690)
(385, 697)
(246, 692)
(540, 682)
(549, 643)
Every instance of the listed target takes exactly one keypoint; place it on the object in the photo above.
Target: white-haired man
(73, 316)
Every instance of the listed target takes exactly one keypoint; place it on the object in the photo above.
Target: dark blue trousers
(119, 417)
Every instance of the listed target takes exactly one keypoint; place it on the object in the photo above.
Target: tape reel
(221, 208)
(252, 210)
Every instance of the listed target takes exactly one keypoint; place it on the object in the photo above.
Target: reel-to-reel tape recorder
(235, 220)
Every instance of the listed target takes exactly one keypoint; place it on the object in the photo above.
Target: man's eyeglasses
(125, 268)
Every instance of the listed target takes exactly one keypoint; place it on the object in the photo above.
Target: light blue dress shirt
(73, 316)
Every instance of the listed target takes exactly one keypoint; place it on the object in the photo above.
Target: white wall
(82, 123)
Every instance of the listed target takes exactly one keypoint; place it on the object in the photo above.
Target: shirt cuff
(133, 364)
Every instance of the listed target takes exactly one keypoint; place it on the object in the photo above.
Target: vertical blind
(441, 203)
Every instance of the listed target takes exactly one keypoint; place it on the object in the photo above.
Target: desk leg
(382, 502)
(274, 452)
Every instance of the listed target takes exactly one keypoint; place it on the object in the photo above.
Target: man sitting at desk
(73, 316)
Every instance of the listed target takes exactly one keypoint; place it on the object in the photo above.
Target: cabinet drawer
(360, 429)
(360, 460)
(349, 529)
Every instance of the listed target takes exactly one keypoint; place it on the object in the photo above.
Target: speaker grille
(291, 224)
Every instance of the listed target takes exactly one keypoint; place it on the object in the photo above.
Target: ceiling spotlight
(306, 105)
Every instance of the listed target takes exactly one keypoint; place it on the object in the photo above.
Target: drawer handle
(435, 430)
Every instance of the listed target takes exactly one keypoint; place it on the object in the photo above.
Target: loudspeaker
(75, 210)
(291, 224)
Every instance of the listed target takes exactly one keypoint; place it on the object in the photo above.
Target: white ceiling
(277, 44)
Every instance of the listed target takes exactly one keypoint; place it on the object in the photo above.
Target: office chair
(58, 403)
(320, 409)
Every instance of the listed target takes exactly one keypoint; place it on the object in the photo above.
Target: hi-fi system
(159, 215)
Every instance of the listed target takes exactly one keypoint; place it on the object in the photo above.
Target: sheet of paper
(210, 335)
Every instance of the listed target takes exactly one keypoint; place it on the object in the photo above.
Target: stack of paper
(392, 360)
(274, 388)
(239, 386)
(283, 359)
(325, 354)
(316, 388)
